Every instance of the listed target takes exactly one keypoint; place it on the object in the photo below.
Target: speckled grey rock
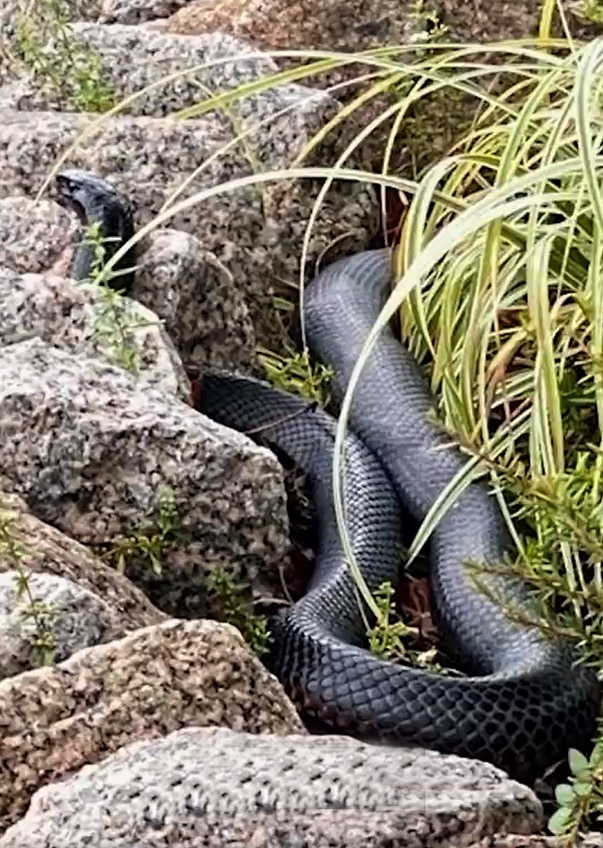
(35, 237)
(42, 548)
(202, 308)
(138, 11)
(511, 840)
(159, 54)
(91, 449)
(76, 317)
(56, 719)
(106, 11)
(72, 616)
(218, 788)
(12, 10)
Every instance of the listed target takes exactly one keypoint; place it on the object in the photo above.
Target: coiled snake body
(524, 703)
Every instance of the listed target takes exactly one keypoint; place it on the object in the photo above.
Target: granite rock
(95, 452)
(352, 25)
(138, 11)
(66, 619)
(256, 231)
(202, 309)
(55, 720)
(42, 548)
(35, 237)
(78, 317)
(217, 787)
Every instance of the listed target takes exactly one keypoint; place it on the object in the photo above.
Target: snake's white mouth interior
(66, 197)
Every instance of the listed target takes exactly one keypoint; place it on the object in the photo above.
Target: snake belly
(524, 702)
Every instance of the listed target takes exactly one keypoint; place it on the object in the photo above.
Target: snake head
(97, 202)
(94, 200)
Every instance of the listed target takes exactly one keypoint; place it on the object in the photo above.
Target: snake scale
(523, 701)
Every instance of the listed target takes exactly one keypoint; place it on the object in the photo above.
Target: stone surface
(216, 787)
(213, 63)
(35, 237)
(434, 124)
(72, 617)
(91, 449)
(138, 11)
(511, 840)
(107, 11)
(203, 310)
(12, 11)
(356, 24)
(55, 720)
(79, 318)
(301, 24)
(43, 548)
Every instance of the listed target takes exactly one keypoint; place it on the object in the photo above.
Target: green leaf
(564, 794)
(577, 762)
(582, 789)
(560, 822)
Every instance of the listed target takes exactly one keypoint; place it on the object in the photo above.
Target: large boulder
(356, 25)
(432, 125)
(218, 787)
(352, 25)
(201, 306)
(98, 453)
(198, 673)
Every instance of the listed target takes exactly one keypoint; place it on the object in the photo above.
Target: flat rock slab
(91, 449)
(55, 720)
(225, 789)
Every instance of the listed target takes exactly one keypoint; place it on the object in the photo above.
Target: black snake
(524, 703)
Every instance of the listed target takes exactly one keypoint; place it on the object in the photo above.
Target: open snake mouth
(66, 189)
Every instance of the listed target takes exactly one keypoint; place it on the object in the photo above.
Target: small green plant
(582, 798)
(150, 544)
(431, 28)
(588, 10)
(40, 613)
(235, 609)
(390, 636)
(386, 637)
(73, 75)
(293, 372)
(114, 322)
